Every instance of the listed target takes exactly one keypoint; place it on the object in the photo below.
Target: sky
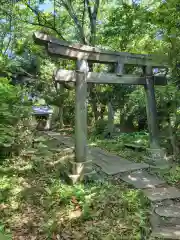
(47, 7)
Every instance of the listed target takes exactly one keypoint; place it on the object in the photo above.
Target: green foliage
(113, 209)
(58, 208)
(4, 236)
(172, 176)
(100, 126)
(15, 116)
(127, 24)
(117, 144)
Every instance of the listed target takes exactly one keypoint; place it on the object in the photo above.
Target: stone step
(141, 179)
(171, 211)
(157, 221)
(66, 140)
(166, 233)
(86, 176)
(160, 194)
(112, 165)
(159, 164)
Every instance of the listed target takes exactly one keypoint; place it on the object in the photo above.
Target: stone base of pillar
(81, 167)
(48, 122)
(156, 157)
(81, 171)
(80, 178)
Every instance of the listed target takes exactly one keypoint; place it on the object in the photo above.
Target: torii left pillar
(82, 166)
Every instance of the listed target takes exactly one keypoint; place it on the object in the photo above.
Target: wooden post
(157, 155)
(81, 112)
(81, 167)
(151, 107)
(119, 68)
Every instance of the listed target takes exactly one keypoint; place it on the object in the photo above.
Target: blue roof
(42, 110)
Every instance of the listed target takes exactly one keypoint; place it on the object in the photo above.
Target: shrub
(15, 114)
(100, 126)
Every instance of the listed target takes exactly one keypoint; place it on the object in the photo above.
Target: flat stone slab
(160, 194)
(142, 179)
(112, 164)
(68, 141)
(172, 211)
(109, 163)
(166, 232)
(158, 221)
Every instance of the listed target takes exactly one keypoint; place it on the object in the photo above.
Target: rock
(160, 194)
(157, 221)
(172, 211)
(111, 164)
(142, 179)
(166, 232)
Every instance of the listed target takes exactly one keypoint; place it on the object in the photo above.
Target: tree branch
(93, 17)
(89, 10)
(84, 10)
(46, 23)
(10, 38)
(96, 8)
(54, 14)
(68, 6)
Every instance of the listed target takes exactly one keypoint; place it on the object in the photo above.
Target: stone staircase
(165, 207)
(165, 219)
(165, 199)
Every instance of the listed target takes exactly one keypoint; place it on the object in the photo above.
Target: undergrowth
(172, 176)
(117, 145)
(34, 202)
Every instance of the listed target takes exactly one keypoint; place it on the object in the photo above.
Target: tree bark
(151, 108)
(60, 90)
(110, 119)
(126, 123)
(102, 111)
(61, 120)
(81, 112)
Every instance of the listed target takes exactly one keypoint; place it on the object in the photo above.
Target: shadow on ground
(36, 204)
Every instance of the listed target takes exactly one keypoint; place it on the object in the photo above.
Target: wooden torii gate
(83, 54)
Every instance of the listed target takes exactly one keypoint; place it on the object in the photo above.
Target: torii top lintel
(78, 51)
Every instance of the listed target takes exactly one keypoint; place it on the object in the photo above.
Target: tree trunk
(142, 124)
(60, 116)
(102, 111)
(60, 90)
(126, 124)
(95, 110)
(110, 120)
(93, 97)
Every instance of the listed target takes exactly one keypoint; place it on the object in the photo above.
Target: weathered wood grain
(151, 107)
(81, 112)
(120, 68)
(103, 56)
(92, 77)
(79, 51)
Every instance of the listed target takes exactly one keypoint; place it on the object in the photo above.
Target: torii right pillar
(156, 154)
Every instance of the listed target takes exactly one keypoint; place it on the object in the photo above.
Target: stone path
(171, 211)
(111, 164)
(166, 233)
(165, 214)
(142, 179)
(160, 194)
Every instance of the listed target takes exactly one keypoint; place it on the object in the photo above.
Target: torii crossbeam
(83, 54)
